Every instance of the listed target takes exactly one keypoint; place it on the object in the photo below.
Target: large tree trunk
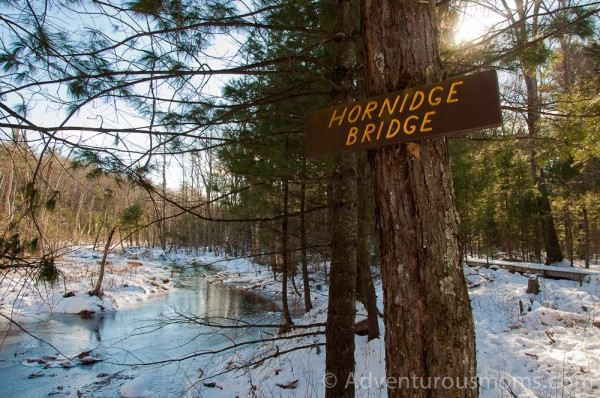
(342, 288)
(364, 280)
(429, 330)
(341, 311)
(549, 235)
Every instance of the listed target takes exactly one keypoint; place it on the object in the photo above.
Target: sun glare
(474, 23)
(469, 29)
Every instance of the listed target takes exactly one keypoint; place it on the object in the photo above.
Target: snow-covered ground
(550, 349)
(128, 280)
(546, 345)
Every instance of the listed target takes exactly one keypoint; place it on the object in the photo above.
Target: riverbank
(129, 280)
(543, 345)
(135, 343)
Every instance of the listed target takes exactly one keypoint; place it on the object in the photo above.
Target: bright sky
(44, 112)
(474, 23)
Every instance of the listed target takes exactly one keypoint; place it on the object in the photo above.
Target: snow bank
(138, 387)
(85, 304)
(549, 348)
(541, 345)
(128, 281)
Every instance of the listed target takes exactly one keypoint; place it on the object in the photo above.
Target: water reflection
(146, 333)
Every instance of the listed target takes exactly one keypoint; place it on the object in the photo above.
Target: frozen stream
(128, 336)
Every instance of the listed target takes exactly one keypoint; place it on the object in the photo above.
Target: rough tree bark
(429, 330)
(365, 289)
(341, 312)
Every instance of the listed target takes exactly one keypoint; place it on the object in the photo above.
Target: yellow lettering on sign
(335, 118)
(426, 120)
(367, 133)
(361, 112)
(386, 104)
(355, 111)
(352, 136)
(371, 106)
(437, 100)
(410, 129)
(403, 103)
(380, 128)
(413, 105)
(391, 134)
(452, 92)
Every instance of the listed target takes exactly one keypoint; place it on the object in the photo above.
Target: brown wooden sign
(456, 105)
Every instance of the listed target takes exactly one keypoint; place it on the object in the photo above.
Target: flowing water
(30, 368)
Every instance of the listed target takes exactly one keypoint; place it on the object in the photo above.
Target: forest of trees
(241, 155)
(181, 122)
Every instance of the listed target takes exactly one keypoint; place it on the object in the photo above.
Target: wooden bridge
(545, 271)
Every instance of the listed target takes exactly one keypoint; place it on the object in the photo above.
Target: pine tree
(429, 329)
